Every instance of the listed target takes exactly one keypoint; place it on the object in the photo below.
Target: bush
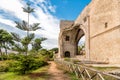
(12, 56)
(26, 64)
(4, 66)
(3, 57)
(22, 64)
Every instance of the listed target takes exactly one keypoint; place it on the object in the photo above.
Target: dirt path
(55, 73)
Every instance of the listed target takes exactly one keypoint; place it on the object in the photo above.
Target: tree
(17, 46)
(6, 40)
(25, 26)
(26, 41)
(54, 50)
(36, 45)
(28, 10)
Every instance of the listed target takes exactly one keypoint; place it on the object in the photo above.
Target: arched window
(67, 54)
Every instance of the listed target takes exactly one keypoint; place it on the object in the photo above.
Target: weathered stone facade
(100, 23)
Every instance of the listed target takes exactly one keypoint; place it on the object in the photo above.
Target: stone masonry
(100, 23)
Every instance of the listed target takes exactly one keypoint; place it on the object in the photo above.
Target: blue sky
(47, 12)
(69, 9)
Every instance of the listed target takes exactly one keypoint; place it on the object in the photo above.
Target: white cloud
(48, 22)
(52, 8)
(5, 21)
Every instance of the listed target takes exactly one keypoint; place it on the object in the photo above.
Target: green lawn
(39, 74)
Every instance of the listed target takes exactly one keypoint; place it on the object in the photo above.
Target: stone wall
(100, 21)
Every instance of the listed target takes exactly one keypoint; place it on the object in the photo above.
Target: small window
(85, 19)
(67, 38)
(106, 25)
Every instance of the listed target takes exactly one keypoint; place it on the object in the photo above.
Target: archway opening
(67, 54)
(81, 46)
(81, 43)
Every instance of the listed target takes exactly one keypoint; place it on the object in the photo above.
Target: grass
(105, 68)
(102, 69)
(72, 76)
(39, 74)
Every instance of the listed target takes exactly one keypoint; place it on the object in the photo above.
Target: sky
(47, 12)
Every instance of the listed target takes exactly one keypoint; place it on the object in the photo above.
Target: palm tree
(6, 40)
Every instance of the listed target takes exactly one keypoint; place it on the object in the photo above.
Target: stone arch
(80, 32)
(84, 32)
(67, 54)
(75, 32)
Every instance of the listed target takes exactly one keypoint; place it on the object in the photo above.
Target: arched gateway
(69, 37)
(99, 22)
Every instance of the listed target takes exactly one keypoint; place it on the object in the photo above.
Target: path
(55, 73)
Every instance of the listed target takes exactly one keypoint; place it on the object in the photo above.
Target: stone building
(99, 22)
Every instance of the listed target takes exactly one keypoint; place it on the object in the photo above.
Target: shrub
(3, 57)
(26, 64)
(22, 64)
(12, 56)
(4, 66)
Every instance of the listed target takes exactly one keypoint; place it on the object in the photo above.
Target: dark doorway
(67, 54)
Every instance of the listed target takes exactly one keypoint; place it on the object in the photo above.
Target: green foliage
(43, 52)
(22, 45)
(6, 40)
(67, 59)
(13, 56)
(81, 49)
(5, 36)
(19, 48)
(36, 45)
(22, 64)
(32, 76)
(4, 66)
(3, 57)
(28, 9)
(54, 49)
(25, 64)
(51, 54)
(16, 37)
(48, 55)
(18, 62)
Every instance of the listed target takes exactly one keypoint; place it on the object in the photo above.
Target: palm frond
(28, 9)
(18, 25)
(31, 36)
(18, 47)
(26, 40)
(25, 25)
(16, 37)
(22, 25)
(34, 27)
(43, 39)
